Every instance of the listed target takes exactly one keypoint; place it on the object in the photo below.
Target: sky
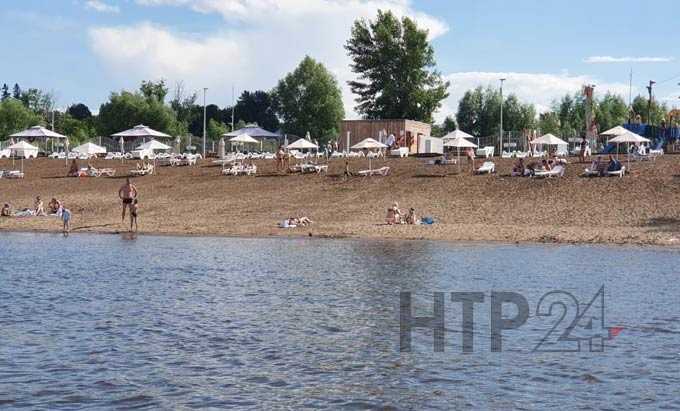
(82, 50)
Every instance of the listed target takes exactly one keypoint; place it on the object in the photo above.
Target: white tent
(369, 144)
(456, 134)
(243, 138)
(303, 144)
(23, 149)
(154, 145)
(458, 143)
(89, 149)
(618, 130)
(37, 132)
(549, 140)
(141, 131)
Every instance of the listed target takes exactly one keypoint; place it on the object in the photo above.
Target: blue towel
(427, 220)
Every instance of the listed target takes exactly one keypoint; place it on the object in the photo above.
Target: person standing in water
(127, 193)
(134, 210)
(66, 218)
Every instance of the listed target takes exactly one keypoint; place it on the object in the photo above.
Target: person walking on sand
(127, 193)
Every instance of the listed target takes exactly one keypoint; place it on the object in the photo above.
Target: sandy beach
(640, 208)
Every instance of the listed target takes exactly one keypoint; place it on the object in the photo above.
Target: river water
(101, 322)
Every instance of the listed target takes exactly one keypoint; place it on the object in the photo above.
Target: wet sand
(641, 208)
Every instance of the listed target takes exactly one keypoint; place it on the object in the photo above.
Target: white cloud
(100, 6)
(264, 40)
(540, 89)
(611, 59)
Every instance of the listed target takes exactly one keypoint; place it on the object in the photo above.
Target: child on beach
(134, 207)
(38, 207)
(6, 210)
(66, 218)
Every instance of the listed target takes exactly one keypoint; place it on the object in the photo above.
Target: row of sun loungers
(240, 169)
(96, 172)
(144, 171)
(11, 174)
(382, 171)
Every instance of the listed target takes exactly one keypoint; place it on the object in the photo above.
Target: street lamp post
(500, 152)
(205, 89)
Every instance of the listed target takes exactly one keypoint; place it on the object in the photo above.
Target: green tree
(125, 110)
(611, 111)
(470, 111)
(16, 91)
(447, 126)
(310, 100)
(79, 111)
(641, 108)
(14, 116)
(258, 107)
(5, 92)
(396, 68)
(154, 89)
(78, 131)
(216, 129)
(549, 123)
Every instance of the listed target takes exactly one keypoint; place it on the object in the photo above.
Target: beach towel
(427, 220)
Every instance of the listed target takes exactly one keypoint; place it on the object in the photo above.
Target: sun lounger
(148, 170)
(507, 154)
(522, 154)
(591, 173)
(399, 152)
(557, 171)
(382, 171)
(239, 169)
(14, 174)
(618, 173)
(487, 167)
(486, 152)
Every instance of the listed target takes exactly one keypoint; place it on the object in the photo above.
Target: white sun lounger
(487, 167)
(142, 172)
(619, 173)
(382, 171)
(14, 174)
(557, 171)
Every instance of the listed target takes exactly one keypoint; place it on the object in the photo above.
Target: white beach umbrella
(628, 137)
(243, 138)
(369, 144)
(89, 149)
(303, 144)
(549, 140)
(220, 148)
(618, 130)
(456, 134)
(458, 143)
(154, 145)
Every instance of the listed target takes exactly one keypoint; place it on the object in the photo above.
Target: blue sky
(84, 49)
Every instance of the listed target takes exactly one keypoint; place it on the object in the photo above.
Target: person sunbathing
(6, 211)
(531, 168)
(38, 207)
(393, 215)
(411, 216)
(54, 207)
(518, 168)
(304, 221)
(546, 165)
(73, 170)
(614, 164)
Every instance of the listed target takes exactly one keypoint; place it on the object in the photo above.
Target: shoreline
(638, 209)
(300, 236)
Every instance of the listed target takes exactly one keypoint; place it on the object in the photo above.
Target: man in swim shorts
(127, 193)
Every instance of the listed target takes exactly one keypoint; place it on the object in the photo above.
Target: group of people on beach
(395, 215)
(55, 208)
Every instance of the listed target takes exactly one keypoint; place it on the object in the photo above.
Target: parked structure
(408, 133)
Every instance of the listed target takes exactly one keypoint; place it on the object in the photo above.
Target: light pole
(205, 89)
(500, 152)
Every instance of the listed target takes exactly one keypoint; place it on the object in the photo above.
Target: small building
(408, 133)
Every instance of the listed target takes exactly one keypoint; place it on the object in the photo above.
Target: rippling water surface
(91, 322)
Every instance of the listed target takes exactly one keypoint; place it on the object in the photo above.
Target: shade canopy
(243, 138)
(369, 144)
(37, 132)
(459, 142)
(549, 140)
(141, 131)
(22, 145)
(629, 137)
(618, 130)
(302, 144)
(252, 130)
(456, 134)
(89, 149)
(154, 145)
